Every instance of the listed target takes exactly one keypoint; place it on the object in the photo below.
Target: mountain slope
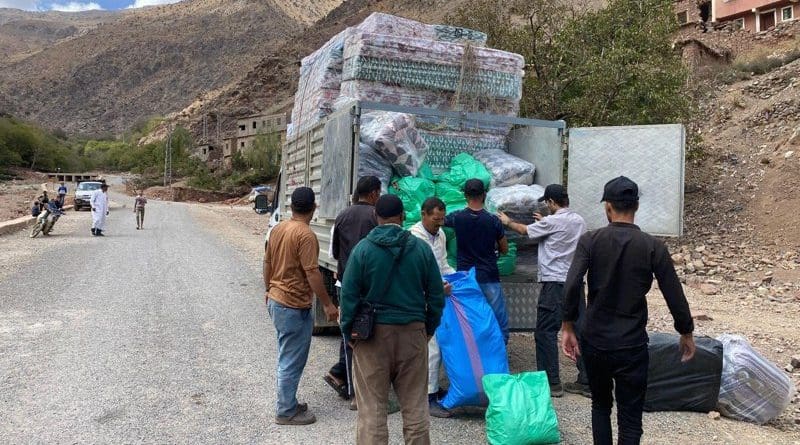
(147, 61)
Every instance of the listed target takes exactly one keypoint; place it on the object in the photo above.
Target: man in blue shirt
(479, 237)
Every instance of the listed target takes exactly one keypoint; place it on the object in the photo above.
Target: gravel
(173, 344)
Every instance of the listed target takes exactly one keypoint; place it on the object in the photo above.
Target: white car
(84, 192)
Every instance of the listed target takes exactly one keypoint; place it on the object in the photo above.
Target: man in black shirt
(350, 227)
(621, 261)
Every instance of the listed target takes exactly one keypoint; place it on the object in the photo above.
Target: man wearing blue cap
(621, 261)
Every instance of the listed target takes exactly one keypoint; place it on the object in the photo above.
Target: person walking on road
(479, 236)
(292, 277)
(99, 203)
(138, 209)
(558, 236)
(350, 227)
(397, 274)
(430, 231)
(621, 261)
(62, 192)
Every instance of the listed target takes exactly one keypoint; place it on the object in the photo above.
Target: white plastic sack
(753, 389)
(506, 169)
(394, 136)
(519, 202)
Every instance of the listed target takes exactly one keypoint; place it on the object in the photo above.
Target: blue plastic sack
(470, 341)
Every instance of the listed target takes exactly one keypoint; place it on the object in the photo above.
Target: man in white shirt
(99, 203)
(430, 231)
(558, 236)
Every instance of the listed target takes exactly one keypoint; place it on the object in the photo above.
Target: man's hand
(448, 288)
(686, 347)
(503, 218)
(537, 216)
(569, 342)
(332, 312)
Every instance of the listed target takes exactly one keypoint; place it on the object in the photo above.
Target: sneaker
(337, 384)
(437, 410)
(94, 232)
(300, 417)
(556, 390)
(578, 388)
(99, 233)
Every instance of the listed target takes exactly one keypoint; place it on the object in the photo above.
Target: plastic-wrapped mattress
(506, 169)
(519, 202)
(394, 136)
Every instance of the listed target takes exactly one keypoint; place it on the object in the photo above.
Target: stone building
(247, 129)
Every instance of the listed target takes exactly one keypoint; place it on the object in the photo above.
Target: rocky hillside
(106, 74)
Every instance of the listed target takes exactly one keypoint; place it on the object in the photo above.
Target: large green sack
(508, 262)
(520, 410)
(452, 247)
(452, 196)
(464, 167)
(425, 172)
(413, 192)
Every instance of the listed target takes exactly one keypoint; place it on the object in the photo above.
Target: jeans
(624, 371)
(548, 323)
(494, 295)
(294, 328)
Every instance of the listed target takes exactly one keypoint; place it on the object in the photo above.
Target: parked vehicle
(325, 158)
(84, 192)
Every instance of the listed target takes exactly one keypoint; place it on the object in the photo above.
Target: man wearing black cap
(621, 261)
(398, 275)
(350, 227)
(292, 277)
(558, 236)
(479, 237)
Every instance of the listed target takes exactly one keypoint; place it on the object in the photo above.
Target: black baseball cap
(474, 188)
(620, 189)
(556, 192)
(389, 206)
(303, 199)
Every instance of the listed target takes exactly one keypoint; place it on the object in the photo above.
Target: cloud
(27, 5)
(143, 3)
(75, 6)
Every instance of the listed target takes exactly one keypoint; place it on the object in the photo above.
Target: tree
(610, 66)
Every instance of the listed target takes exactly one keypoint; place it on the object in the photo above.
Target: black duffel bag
(676, 386)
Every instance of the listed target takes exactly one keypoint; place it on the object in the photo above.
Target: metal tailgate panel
(337, 159)
(651, 155)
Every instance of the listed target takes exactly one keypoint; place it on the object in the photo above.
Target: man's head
(555, 196)
(621, 196)
(303, 201)
(389, 210)
(104, 187)
(433, 212)
(368, 189)
(475, 192)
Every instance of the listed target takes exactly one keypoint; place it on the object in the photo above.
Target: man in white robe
(99, 202)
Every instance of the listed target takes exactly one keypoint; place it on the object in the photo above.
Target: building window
(254, 125)
(683, 17)
(738, 24)
(787, 13)
(242, 145)
(242, 127)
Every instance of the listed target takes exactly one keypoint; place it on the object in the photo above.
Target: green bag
(425, 172)
(508, 262)
(413, 192)
(520, 410)
(452, 196)
(452, 247)
(464, 167)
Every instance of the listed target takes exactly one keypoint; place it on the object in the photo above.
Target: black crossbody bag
(364, 318)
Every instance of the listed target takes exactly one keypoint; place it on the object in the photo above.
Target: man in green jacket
(398, 274)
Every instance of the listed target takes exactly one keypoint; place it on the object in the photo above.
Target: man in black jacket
(621, 261)
(350, 227)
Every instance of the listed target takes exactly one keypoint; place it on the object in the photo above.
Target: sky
(79, 5)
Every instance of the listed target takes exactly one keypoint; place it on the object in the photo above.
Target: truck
(325, 158)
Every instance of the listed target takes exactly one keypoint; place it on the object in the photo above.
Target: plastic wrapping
(520, 410)
(371, 163)
(413, 192)
(506, 169)
(463, 168)
(394, 136)
(753, 389)
(519, 202)
(381, 23)
(445, 145)
(675, 386)
(452, 196)
(470, 341)
(507, 263)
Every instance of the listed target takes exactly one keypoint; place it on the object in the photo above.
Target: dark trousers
(343, 369)
(548, 323)
(624, 371)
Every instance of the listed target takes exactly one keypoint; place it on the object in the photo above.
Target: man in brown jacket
(291, 274)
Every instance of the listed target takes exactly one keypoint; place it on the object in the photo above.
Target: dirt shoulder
(734, 308)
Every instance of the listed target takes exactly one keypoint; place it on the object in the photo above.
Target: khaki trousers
(396, 355)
